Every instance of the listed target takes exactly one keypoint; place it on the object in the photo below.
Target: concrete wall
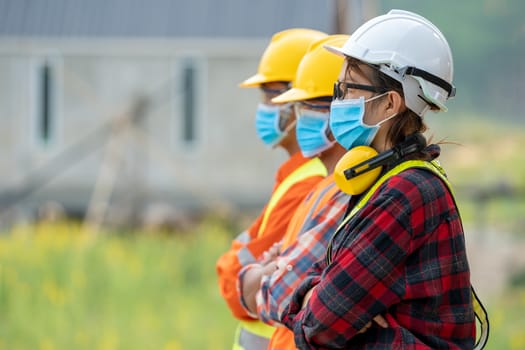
(100, 81)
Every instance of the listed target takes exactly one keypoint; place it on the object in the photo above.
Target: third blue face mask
(311, 130)
(267, 126)
(347, 125)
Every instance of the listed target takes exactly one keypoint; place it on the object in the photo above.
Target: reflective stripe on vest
(313, 167)
(312, 206)
(245, 256)
(252, 335)
(243, 237)
(434, 167)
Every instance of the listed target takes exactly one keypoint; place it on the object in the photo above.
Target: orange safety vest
(254, 334)
(315, 201)
(283, 338)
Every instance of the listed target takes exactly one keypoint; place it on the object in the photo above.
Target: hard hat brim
(337, 50)
(254, 81)
(293, 95)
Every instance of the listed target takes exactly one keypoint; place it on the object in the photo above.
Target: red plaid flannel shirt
(401, 256)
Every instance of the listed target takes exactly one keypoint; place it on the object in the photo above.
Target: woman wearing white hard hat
(400, 251)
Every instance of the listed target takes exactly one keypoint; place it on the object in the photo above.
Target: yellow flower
(54, 293)
(172, 345)
(46, 344)
(109, 342)
(81, 339)
(517, 341)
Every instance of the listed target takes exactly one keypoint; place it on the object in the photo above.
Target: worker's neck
(290, 147)
(331, 156)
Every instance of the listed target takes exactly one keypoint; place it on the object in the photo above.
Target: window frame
(53, 101)
(179, 127)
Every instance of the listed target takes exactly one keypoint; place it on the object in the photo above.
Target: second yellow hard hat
(317, 72)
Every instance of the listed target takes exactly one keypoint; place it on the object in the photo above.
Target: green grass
(60, 289)
(64, 289)
(507, 321)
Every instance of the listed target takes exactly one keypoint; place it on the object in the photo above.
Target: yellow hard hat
(282, 56)
(359, 184)
(317, 72)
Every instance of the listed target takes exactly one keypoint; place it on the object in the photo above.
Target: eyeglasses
(273, 92)
(314, 104)
(341, 89)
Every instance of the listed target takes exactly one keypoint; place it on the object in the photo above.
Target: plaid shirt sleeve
(276, 290)
(402, 256)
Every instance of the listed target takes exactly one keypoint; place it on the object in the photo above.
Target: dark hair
(406, 122)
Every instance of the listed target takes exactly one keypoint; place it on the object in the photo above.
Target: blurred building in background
(118, 107)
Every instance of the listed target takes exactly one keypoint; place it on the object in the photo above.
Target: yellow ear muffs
(346, 166)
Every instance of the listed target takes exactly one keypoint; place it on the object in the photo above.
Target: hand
(252, 281)
(272, 253)
(380, 320)
(250, 286)
(307, 297)
(269, 268)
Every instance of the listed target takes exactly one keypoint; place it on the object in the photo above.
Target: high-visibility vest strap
(313, 167)
(252, 335)
(482, 317)
(307, 211)
(433, 166)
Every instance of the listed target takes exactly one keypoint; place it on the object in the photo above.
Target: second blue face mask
(311, 132)
(267, 119)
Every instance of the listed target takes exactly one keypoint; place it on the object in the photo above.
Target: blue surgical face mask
(267, 123)
(311, 131)
(347, 125)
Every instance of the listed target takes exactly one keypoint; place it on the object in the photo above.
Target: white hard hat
(411, 50)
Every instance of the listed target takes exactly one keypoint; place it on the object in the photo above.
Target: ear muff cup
(359, 184)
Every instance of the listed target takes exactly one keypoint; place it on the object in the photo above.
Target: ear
(344, 72)
(396, 103)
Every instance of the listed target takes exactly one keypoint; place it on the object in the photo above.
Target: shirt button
(289, 267)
